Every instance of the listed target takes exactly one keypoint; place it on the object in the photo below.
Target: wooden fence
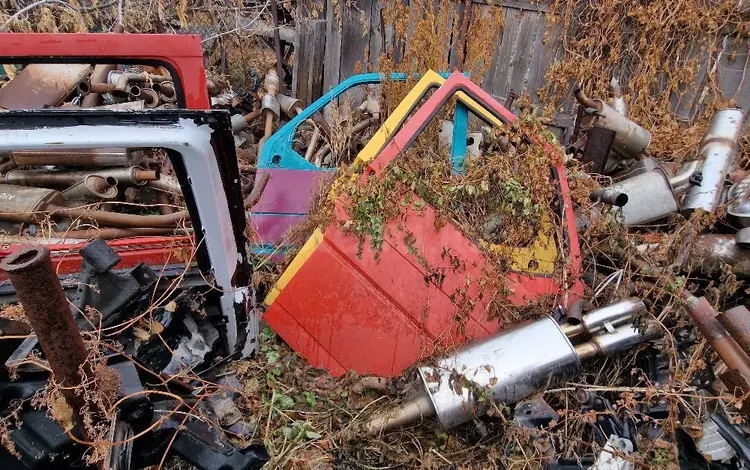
(328, 52)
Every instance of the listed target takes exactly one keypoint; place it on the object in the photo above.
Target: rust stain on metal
(737, 323)
(40, 85)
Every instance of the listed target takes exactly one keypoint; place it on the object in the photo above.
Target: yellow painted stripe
(304, 254)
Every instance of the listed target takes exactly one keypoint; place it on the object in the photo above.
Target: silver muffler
(508, 367)
(718, 151)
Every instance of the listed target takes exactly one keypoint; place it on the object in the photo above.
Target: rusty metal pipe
(76, 236)
(268, 130)
(737, 323)
(134, 175)
(575, 312)
(584, 100)
(99, 75)
(115, 219)
(150, 97)
(166, 183)
(75, 158)
(260, 184)
(166, 91)
(313, 143)
(704, 317)
(92, 188)
(7, 166)
(119, 81)
(34, 278)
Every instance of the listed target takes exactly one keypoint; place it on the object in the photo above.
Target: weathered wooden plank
(537, 68)
(332, 65)
(733, 70)
(463, 18)
(519, 63)
(355, 37)
(529, 5)
(308, 68)
(376, 36)
(504, 53)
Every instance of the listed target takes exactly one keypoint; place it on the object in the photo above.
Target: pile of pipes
(78, 190)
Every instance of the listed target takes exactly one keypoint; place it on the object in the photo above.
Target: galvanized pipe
(718, 151)
(74, 158)
(603, 318)
(35, 281)
(704, 317)
(737, 323)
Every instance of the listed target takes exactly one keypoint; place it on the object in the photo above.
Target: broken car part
(75, 157)
(507, 367)
(609, 196)
(44, 303)
(62, 179)
(119, 81)
(650, 196)
(734, 437)
(202, 153)
(383, 306)
(618, 102)
(41, 85)
(737, 322)
(738, 211)
(718, 151)
(92, 188)
(631, 141)
(704, 317)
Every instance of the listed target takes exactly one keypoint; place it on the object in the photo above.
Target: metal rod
(606, 317)
(75, 158)
(277, 39)
(609, 196)
(33, 277)
(704, 317)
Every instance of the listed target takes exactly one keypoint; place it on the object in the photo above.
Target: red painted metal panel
(380, 316)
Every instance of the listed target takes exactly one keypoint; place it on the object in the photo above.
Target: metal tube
(609, 196)
(150, 97)
(93, 187)
(606, 317)
(34, 278)
(737, 323)
(75, 158)
(166, 91)
(650, 197)
(575, 313)
(99, 75)
(718, 151)
(116, 219)
(313, 143)
(166, 183)
(61, 179)
(622, 339)
(682, 178)
(704, 317)
(412, 411)
(260, 185)
(268, 130)
(584, 100)
(76, 236)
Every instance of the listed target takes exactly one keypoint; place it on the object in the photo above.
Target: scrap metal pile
(558, 308)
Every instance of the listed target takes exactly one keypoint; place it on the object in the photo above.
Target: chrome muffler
(512, 365)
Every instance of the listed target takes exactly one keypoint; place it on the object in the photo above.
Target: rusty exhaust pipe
(92, 188)
(704, 317)
(150, 97)
(737, 323)
(166, 91)
(75, 158)
(99, 76)
(134, 175)
(28, 205)
(33, 277)
(118, 81)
